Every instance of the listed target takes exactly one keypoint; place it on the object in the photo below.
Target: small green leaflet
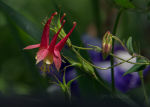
(124, 3)
(129, 45)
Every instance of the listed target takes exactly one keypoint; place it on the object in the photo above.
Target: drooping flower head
(50, 53)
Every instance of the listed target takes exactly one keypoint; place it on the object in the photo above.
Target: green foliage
(21, 21)
(136, 67)
(124, 3)
(129, 45)
(88, 68)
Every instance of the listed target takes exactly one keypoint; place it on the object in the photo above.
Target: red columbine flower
(51, 53)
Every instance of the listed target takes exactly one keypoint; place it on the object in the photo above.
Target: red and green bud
(106, 44)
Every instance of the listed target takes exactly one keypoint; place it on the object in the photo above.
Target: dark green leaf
(21, 21)
(129, 45)
(124, 3)
(136, 67)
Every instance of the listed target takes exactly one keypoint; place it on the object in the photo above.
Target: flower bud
(106, 44)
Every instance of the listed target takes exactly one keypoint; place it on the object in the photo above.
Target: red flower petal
(62, 17)
(53, 41)
(61, 44)
(57, 60)
(45, 35)
(41, 54)
(32, 46)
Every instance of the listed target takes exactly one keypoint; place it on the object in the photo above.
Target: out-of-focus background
(18, 72)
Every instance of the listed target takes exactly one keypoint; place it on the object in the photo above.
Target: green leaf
(129, 45)
(136, 67)
(124, 3)
(21, 21)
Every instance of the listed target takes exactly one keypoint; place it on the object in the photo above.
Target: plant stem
(97, 16)
(113, 55)
(82, 48)
(146, 63)
(67, 95)
(101, 67)
(117, 39)
(143, 85)
(111, 58)
(94, 75)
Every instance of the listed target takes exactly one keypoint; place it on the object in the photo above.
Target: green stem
(101, 67)
(116, 38)
(64, 88)
(111, 58)
(82, 48)
(143, 85)
(67, 94)
(97, 79)
(129, 61)
(97, 16)
(140, 56)
(117, 21)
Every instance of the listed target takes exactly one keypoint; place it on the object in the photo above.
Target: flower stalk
(112, 51)
(143, 85)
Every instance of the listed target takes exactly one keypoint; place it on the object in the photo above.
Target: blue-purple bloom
(123, 83)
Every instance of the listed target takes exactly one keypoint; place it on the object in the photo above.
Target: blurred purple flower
(70, 74)
(123, 83)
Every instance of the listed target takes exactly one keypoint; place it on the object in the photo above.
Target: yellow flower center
(49, 59)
